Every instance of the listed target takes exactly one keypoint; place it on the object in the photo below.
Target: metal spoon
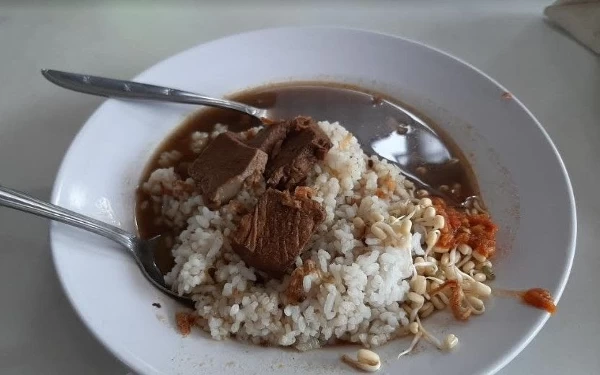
(394, 132)
(141, 250)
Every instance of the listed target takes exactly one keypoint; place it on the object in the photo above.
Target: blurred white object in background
(580, 18)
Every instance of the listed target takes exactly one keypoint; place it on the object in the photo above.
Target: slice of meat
(304, 145)
(223, 166)
(271, 137)
(275, 233)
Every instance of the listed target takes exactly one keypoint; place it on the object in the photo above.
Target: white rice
(357, 289)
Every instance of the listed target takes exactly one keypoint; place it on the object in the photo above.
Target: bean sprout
(417, 303)
(414, 328)
(445, 261)
(429, 213)
(412, 345)
(427, 309)
(478, 206)
(437, 302)
(464, 260)
(479, 257)
(425, 202)
(424, 265)
(468, 266)
(431, 239)
(435, 279)
(368, 357)
(422, 332)
(443, 276)
(419, 284)
(439, 222)
(450, 342)
(366, 360)
(378, 232)
(465, 249)
(475, 304)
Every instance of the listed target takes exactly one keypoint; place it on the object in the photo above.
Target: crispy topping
(185, 322)
(457, 295)
(304, 192)
(295, 292)
(477, 231)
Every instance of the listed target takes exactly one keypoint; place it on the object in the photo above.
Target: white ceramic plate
(520, 172)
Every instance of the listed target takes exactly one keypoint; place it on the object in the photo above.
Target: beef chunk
(271, 137)
(223, 166)
(275, 233)
(304, 145)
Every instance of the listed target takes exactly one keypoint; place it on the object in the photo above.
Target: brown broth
(299, 94)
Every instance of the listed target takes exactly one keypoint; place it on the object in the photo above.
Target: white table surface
(556, 78)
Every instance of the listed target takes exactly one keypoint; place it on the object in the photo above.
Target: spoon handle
(23, 202)
(115, 88)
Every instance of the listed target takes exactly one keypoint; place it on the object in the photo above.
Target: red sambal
(477, 231)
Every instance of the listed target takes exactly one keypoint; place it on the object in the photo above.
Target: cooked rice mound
(352, 282)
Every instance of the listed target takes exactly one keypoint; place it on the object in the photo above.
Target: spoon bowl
(141, 250)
